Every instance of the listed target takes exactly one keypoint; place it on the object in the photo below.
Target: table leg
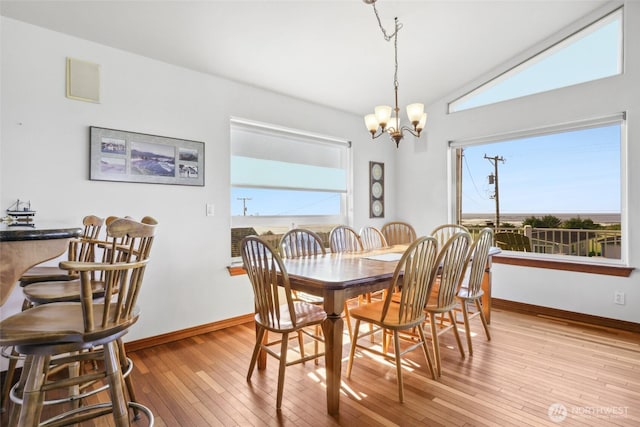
(332, 328)
(486, 288)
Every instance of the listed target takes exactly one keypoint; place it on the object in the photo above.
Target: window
(592, 53)
(283, 178)
(559, 187)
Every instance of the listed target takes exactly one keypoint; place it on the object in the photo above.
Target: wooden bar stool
(62, 332)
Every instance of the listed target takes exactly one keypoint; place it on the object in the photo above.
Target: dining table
(337, 277)
(22, 246)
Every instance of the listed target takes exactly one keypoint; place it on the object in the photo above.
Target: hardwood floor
(530, 364)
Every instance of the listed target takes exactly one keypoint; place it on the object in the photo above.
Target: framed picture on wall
(376, 190)
(118, 155)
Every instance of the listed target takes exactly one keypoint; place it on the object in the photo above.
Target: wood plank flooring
(531, 364)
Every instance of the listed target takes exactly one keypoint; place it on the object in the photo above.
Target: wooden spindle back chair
(403, 307)
(398, 233)
(372, 238)
(51, 330)
(270, 283)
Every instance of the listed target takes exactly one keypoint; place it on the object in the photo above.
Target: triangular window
(592, 53)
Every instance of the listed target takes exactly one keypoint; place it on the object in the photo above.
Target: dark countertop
(40, 231)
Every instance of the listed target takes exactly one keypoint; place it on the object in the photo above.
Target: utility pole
(494, 177)
(244, 204)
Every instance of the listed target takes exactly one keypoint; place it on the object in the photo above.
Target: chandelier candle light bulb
(381, 121)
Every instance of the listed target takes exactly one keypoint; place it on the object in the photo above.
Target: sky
(569, 172)
(284, 202)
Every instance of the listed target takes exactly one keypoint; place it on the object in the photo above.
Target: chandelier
(382, 121)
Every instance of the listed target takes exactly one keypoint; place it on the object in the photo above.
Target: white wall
(424, 178)
(44, 156)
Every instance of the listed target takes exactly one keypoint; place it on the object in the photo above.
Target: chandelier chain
(386, 119)
(388, 37)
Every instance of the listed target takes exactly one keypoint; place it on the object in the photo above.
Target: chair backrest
(512, 241)
(398, 233)
(268, 276)
(300, 242)
(477, 262)
(83, 248)
(372, 238)
(344, 239)
(452, 259)
(444, 232)
(121, 276)
(414, 272)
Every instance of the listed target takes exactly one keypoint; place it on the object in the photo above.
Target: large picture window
(557, 191)
(283, 178)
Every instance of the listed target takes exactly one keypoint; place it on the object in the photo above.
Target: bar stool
(62, 332)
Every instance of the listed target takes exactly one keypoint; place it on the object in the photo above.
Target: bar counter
(22, 247)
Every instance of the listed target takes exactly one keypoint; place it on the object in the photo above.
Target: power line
(466, 163)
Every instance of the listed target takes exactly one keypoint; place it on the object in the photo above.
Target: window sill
(236, 270)
(607, 270)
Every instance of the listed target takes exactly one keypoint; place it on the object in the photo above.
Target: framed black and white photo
(118, 155)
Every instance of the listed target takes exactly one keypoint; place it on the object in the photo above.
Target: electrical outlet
(210, 209)
(618, 297)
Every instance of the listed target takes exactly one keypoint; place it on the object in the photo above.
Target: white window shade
(263, 173)
(267, 157)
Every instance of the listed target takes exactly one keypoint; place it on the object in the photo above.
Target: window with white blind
(283, 178)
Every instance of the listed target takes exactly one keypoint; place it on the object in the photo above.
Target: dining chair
(372, 238)
(471, 287)
(398, 233)
(445, 231)
(344, 239)
(402, 310)
(60, 333)
(302, 243)
(442, 300)
(268, 276)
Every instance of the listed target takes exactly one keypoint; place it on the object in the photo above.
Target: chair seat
(465, 293)
(372, 313)
(306, 315)
(58, 323)
(45, 273)
(309, 298)
(69, 291)
(433, 307)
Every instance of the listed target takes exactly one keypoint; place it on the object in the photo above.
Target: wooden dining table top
(343, 271)
(24, 246)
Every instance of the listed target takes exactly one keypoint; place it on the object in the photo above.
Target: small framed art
(376, 190)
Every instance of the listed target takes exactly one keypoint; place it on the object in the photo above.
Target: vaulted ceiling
(331, 52)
